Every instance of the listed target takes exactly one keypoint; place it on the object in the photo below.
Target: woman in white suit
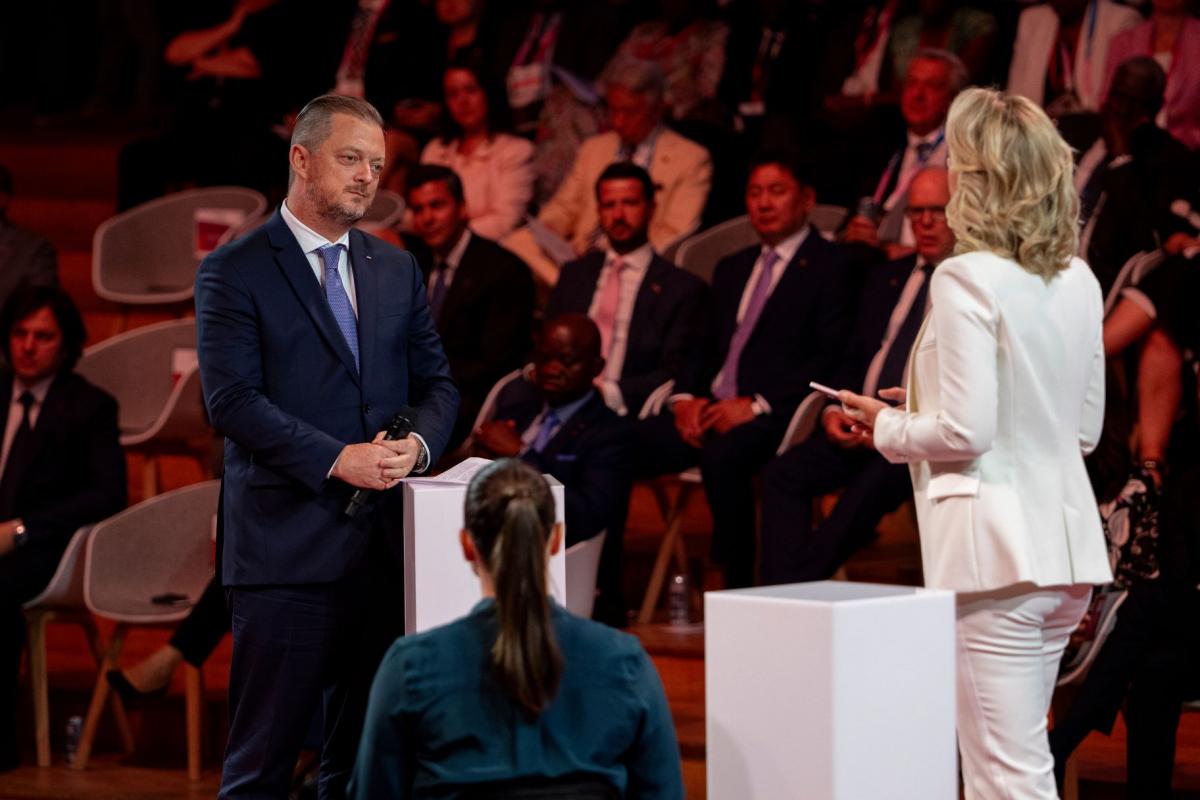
(1005, 396)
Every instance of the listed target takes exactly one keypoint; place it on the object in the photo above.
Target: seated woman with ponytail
(519, 698)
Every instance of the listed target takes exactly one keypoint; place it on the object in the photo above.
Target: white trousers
(1009, 643)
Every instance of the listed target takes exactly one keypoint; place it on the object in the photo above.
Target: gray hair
(637, 75)
(959, 76)
(315, 120)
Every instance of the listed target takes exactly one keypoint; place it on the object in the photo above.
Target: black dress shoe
(127, 691)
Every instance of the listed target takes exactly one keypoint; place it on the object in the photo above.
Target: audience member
(519, 693)
(653, 317)
(496, 168)
(933, 80)
(25, 257)
(783, 310)
(480, 295)
(557, 422)
(193, 641)
(688, 46)
(870, 33)
(1061, 52)
(1129, 170)
(1147, 666)
(890, 312)
(61, 466)
(946, 25)
(681, 170)
(1172, 38)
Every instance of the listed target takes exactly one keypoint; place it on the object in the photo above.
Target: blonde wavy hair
(1013, 191)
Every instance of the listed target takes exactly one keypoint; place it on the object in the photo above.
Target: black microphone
(399, 428)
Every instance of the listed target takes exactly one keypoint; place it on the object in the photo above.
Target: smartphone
(825, 390)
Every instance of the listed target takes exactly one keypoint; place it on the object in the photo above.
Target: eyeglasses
(938, 213)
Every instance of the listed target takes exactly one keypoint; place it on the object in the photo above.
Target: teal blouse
(438, 722)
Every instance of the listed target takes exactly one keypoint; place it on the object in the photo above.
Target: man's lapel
(296, 269)
(366, 285)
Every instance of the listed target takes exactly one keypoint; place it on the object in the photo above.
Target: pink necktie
(606, 310)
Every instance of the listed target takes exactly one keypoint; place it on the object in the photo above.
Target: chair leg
(99, 695)
(114, 699)
(1071, 780)
(149, 476)
(195, 719)
(671, 546)
(39, 681)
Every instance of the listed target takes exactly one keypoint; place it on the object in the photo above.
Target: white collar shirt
(311, 242)
(786, 250)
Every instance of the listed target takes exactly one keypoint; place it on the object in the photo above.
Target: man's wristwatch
(20, 535)
(422, 461)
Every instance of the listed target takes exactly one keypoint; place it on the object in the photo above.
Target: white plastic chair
(62, 601)
(827, 219)
(583, 562)
(148, 254)
(700, 253)
(386, 210)
(160, 548)
(1137, 267)
(159, 411)
(487, 411)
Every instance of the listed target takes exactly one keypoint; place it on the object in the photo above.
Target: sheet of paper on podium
(439, 585)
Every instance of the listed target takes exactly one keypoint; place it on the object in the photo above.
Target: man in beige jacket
(681, 169)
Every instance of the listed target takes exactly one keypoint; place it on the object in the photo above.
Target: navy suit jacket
(589, 455)
(281, 384)
(667, 331)
(881, 291)
(802, 330)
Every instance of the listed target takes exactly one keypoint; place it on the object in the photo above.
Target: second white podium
(830, 691)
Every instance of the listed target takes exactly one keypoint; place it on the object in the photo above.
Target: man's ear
(556, 538)
(298, 160)
(468, 547)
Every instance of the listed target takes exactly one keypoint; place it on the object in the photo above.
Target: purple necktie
(726, 387)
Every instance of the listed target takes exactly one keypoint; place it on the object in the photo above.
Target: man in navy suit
(893, 305)
(558, 423)
(652, 316)
(783, 311)
(311, 336)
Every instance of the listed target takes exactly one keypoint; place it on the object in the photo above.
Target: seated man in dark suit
(783, 310)
(892, 307)
(651, 315)
(1129, 170)
(558, 423)
(61, 466)
(480, 294)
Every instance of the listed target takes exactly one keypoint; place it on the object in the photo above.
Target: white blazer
(1005, 397)
(1037, 34)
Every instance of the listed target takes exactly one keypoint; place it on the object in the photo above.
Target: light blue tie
(339, 301)
(546, 431)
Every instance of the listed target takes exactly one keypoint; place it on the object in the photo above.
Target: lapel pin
(656, 288)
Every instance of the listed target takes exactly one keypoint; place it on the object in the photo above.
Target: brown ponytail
(509, 515)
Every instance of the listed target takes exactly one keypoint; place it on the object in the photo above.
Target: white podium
(439, 585)
(830, 691)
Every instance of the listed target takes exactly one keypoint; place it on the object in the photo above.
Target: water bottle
(74, 731)
(678, 602)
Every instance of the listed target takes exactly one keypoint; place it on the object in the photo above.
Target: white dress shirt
(637, 264)
(311, 242)
(16, 411)
(908, 295)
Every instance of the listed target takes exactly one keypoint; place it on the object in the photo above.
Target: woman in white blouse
(1005, 395)
(496, 168)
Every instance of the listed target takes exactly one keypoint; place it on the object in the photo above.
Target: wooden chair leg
(99, 695)
(149, 477)
(670, 547)
(195, 719)
(40, 683)
(114, 699)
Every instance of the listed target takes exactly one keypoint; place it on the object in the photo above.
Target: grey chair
(583, 562)
(147, 566)
(62, 602)
(161, 405)
(148, 254)
(385, 212)
(487, 410)
(827, 219)
(699, 254)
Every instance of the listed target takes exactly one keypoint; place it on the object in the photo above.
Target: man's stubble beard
(340, 214)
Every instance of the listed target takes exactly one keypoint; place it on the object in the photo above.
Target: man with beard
(311, 337)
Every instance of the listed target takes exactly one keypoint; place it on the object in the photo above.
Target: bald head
(928, 195)
(567, 359)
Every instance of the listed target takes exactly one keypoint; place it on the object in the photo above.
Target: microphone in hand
(399, 428)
